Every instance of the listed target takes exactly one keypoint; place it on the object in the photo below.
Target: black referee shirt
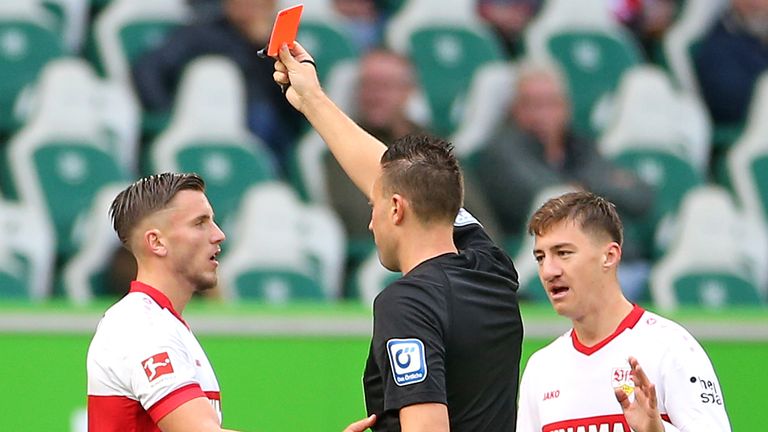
(449, 332)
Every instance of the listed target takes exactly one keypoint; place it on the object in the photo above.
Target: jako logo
(552, 395)
(157, 366)
(406, 356)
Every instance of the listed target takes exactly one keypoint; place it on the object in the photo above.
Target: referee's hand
(361, 425)
(295, 72)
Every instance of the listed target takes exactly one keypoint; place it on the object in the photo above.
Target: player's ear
(155, 243)
(611, 255)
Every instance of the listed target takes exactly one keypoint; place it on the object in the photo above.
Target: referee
(445, 352)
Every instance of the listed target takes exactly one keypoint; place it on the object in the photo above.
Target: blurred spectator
(648, 20)
(386, 83)
(362, 22)
(508, 18)
(536, 148)
(731, 57)
(238, 34)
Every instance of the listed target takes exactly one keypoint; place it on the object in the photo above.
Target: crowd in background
(537, 144)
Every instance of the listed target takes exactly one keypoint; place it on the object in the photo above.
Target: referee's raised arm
(357, 152)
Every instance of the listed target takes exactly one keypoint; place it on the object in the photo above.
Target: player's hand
(642, 414)
(361, 425)
(295, 69)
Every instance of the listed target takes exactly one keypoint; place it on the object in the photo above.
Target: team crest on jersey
(406, 356)
(622, 378)
(157, 366)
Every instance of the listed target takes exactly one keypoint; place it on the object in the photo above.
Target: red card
(285, 29)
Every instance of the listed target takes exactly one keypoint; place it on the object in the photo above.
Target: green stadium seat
(694, 20)
(61, 159)
(208, 135)
(717, 258)
(371, 278)
(446, 44)
(327, 43)
(26, 252)
(84, 274)
(446, 58)
(71, 18)
(299, 254)
(28, 41)
(662, 135)
(487, 106)
(748, 159)
(592, 50)
(125, 29)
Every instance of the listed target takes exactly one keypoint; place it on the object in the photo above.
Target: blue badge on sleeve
(408, 361)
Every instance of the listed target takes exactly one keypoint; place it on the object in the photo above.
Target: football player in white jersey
(590, 379)
(146, 370)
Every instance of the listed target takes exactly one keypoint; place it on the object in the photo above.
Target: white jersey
(568, 387)
(143, 363)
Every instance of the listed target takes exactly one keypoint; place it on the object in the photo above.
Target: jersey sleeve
(692, 395)
(527, 409)
(468, 233)
(161, 374)
(408, 346)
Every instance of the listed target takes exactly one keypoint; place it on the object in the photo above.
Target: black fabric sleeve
(408, 344)
(468, 233)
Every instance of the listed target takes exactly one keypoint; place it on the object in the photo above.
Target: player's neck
(602, 320)
(161, 281)
(423, 243)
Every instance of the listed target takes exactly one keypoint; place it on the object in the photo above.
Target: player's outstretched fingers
(622, 397)
(361, 425)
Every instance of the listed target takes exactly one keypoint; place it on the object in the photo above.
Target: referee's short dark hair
(424, 169)
(593, 213)
(146, 196)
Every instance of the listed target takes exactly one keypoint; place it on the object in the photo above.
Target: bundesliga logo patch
(157, 366)
(408, 361)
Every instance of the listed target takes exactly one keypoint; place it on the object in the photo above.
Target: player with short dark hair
(590, 378)
(447, 336)
(146, 370)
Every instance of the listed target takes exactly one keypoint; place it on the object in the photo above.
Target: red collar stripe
(627, 323)
(159, 298)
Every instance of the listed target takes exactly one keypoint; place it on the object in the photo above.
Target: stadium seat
(208, 135)
(695, 19)
(112, 102)
(328, 44)
(284, 250)
(83, 273)
(71, 21)
(717, 258)
(61, 158)
(125, 29)
(487, 106)
(371, 278)
(28, 41)
(663, 136)
(679, 45)
(591, 48)
(525, 264)
(26, 252)
(748, 159)
(446, 43)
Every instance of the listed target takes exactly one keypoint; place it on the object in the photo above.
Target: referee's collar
(161, 299)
